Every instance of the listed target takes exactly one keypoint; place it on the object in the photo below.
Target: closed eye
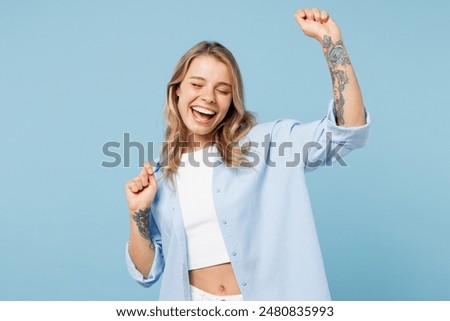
(223, 92)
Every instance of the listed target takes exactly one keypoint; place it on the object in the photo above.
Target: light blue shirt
(264, 213)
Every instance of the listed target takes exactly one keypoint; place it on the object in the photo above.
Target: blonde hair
(236, 124)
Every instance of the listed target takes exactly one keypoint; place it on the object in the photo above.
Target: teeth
(204, 110)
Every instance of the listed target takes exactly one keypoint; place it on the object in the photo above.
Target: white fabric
(205, 243)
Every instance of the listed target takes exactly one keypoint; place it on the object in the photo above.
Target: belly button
(222, 288)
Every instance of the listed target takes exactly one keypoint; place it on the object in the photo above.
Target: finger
(324, 16)
(152, 180)
(300, 14)
(144, 178)
(131, 185)
(300, 17)
(148, 168)
(138, 182)
(309, 14)
(316, 14)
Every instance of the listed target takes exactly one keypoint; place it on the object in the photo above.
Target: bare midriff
(217, 279)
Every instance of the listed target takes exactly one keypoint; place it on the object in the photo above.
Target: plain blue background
(77, 74)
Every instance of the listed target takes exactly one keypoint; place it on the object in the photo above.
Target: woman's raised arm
(348, 102)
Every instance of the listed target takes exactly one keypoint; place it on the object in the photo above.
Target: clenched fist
(140, 191)
(317, 24)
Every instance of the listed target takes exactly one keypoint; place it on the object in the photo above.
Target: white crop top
(205, 242)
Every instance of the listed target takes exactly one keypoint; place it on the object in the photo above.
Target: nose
(207, 95)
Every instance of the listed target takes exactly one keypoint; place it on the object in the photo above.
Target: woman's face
(204, 96)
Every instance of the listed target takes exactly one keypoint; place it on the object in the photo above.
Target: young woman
(225, 213)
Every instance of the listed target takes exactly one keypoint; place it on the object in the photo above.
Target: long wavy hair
(235, 125)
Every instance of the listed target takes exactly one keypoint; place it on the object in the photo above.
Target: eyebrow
(201, 78)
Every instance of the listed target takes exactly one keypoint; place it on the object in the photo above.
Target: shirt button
(244, 283)
(234, 253)
(218, 190)
(224, 222)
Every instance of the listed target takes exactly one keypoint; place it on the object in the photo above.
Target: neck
(196, 142)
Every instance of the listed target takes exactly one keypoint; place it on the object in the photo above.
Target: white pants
(200, 295)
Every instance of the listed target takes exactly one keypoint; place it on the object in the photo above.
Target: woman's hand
(141, 190)
(317, 24)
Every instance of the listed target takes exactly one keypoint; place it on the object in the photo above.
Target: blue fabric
(264, 212)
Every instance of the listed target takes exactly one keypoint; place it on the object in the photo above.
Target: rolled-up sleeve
(155, 272)
(323, 142)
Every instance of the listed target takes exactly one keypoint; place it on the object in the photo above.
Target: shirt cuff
(153, 275)
(351, 137)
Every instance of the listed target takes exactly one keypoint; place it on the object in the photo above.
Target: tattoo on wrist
(337, 57)
(142, 219)
(335, 53)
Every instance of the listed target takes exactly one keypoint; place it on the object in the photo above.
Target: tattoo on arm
(337, 57)
(142, 220)
(340, 79)
(335, 53)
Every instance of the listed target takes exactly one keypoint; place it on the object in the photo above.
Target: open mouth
(202, 114)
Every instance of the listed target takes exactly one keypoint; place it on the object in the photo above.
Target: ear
(177, 91)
